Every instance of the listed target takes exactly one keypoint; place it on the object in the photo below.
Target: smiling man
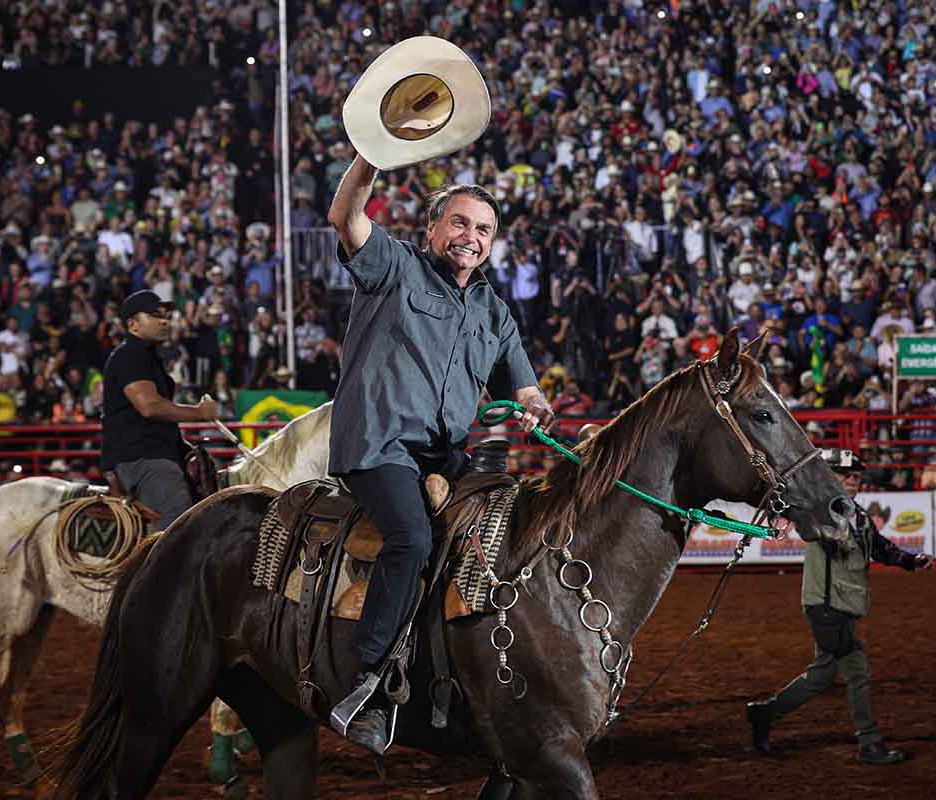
(426, 334)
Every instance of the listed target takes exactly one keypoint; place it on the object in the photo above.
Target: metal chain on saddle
(614, 659)
(502, 637)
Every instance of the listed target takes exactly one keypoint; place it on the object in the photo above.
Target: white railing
(315, 253)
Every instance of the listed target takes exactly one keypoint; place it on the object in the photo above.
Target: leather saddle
(200, 474)
(319, 524)
(320, 513)
(116, 489)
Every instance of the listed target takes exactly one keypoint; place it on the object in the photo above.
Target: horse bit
(613, 657)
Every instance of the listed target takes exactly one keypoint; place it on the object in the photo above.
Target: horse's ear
(728, 352)
(755, 348)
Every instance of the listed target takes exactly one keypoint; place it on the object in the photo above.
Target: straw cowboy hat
(421, 99)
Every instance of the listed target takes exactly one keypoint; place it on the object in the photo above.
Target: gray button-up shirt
(417, 353)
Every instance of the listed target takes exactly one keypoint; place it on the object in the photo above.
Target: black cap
(145, 300)
(842, 460)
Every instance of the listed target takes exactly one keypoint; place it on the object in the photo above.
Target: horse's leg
(558, 771)
(163, 697)
(286, 738)
(19, 660)
(148, 738)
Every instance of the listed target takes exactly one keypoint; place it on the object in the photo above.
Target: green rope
(692, 514)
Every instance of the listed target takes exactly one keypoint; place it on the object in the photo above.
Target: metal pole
(286, 195)
(894, 384)
(280, 301)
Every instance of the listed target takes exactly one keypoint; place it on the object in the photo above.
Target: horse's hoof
(235, 789)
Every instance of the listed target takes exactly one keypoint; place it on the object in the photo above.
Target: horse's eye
(762, 415)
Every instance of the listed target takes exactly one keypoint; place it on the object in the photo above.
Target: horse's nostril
(842, 506)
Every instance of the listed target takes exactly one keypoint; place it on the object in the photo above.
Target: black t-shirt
(128, 435)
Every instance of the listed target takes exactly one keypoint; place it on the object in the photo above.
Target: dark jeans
(392, 497)
(159, 484)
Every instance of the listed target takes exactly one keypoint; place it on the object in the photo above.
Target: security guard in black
(142, 442)
(128, 435)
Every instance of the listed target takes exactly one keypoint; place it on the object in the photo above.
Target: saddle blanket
(90, 534)
(278, 567)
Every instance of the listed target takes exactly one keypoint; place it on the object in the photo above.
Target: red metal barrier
(905, 441)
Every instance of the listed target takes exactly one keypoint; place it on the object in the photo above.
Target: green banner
(916, 357)
(272, 405)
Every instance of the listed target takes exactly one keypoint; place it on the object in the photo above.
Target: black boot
(368, 728)
(878, 753)
(760, 715)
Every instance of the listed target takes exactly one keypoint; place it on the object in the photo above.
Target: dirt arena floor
(689, 740)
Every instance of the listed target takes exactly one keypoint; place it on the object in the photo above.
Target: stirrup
(391, 724)
(345, 711)
(343, 714)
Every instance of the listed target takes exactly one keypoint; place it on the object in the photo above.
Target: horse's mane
(277, 451)
(568, 487)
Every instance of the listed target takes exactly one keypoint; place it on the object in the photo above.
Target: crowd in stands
(665, 172)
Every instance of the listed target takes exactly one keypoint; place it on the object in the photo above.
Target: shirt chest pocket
(423, 305)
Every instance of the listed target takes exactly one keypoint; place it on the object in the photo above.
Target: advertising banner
(906, 518)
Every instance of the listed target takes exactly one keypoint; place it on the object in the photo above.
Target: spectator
(822, 324)
(40, 263)
(14, 347)
(744, 291)
(657, 324)
(221, 294)
(118, 242)
(653, 361)
(643, 239)
(703, 340)
(894, 316)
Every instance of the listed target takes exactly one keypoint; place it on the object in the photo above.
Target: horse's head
(750, 446)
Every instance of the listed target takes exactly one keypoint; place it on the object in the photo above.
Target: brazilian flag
(272, 405)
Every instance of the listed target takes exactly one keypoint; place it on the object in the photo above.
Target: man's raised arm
(347, 209)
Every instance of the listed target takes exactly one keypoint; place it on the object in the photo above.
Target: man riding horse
(426, 331)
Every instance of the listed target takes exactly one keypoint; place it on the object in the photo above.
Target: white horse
(33, 583)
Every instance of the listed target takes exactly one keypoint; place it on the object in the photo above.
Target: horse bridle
(773, 503)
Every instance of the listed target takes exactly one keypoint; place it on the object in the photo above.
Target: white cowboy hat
(672, 141)
(421, 99)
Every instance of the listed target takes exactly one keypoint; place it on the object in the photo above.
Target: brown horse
(186, 623)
